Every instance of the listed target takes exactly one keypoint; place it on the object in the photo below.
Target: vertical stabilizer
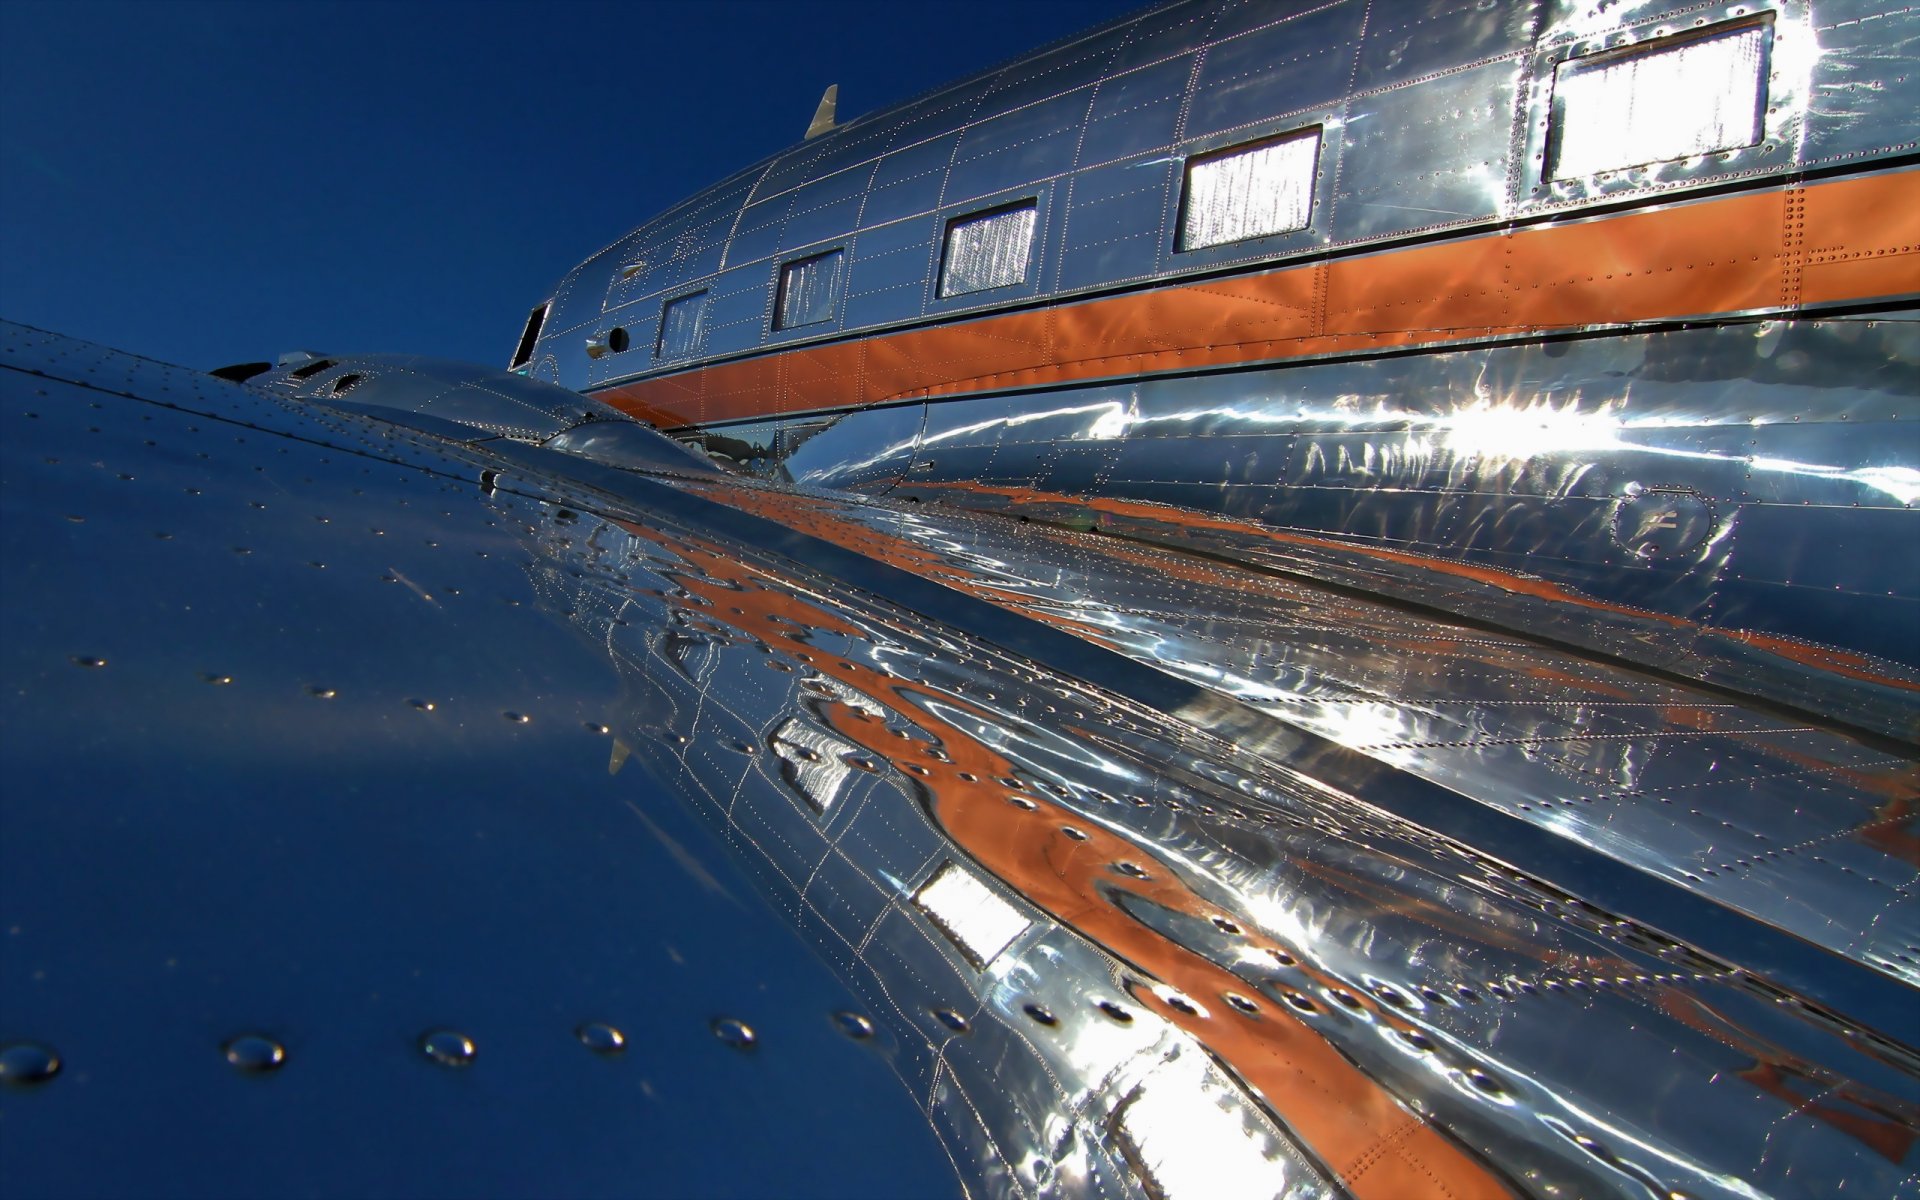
(823, 115)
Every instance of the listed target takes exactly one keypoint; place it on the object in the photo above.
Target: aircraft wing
(299, 749)
(405, 799)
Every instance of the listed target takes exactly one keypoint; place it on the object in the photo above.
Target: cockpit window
(535, 320)
(311, 369)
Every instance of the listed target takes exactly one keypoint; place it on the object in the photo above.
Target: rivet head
(253, 1052)
(448, 1048)
(853, 1024)
(27, 1063)
(735, 1032)
(952, 1020)
(601, 1038)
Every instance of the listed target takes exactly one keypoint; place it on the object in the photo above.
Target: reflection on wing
(1686, 784)
(1144, 874)
(1349, 971)
(1290, 601)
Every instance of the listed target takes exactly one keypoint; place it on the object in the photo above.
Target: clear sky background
(212, 182)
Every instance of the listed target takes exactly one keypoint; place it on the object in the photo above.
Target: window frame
(1600, 59)
(782, 267)
(1317, 130)
(1029, 203)
(660, 353)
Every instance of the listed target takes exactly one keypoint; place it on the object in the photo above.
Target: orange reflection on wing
(1383, 1150)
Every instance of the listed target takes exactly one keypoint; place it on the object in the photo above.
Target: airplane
(1289, 599)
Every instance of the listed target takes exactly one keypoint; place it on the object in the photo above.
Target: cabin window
(682, 323)
(971, 913)
(809, 289)
(524, 354)
(1250, 191)
(1678, 98)
(987, 250)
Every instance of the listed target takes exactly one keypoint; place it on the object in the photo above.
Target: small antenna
(823, 116)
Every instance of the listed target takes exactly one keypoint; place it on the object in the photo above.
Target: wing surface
(340, 722)
(296, 747)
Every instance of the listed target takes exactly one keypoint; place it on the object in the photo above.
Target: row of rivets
(25, 1063)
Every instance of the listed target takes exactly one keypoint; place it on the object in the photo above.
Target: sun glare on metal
(1196, 1137)
(1509, 430)
(970, 913)
(1676, 100)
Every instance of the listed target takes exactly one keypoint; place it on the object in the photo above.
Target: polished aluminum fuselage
(1418, 702)
(1660, 412)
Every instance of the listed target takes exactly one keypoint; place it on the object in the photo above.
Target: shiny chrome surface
(1482, 767)
(1799, 826)
(1381, 295)
(1435, 118)
(490, 403)
(1251, 937)
(1732, 504)
(470, 404)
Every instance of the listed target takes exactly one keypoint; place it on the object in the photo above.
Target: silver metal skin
(1770, 437)
(1431, 111)
(263, 776)
(474, 404)
(1686, 785)
(1480, 766)
(1234, 819)
(1726, 504)
(477, 404)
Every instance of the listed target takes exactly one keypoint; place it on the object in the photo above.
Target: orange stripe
(1850, 239)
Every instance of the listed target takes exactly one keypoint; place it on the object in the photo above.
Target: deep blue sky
(214, 182)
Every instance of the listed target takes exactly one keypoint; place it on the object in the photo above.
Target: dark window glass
(529, 336)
